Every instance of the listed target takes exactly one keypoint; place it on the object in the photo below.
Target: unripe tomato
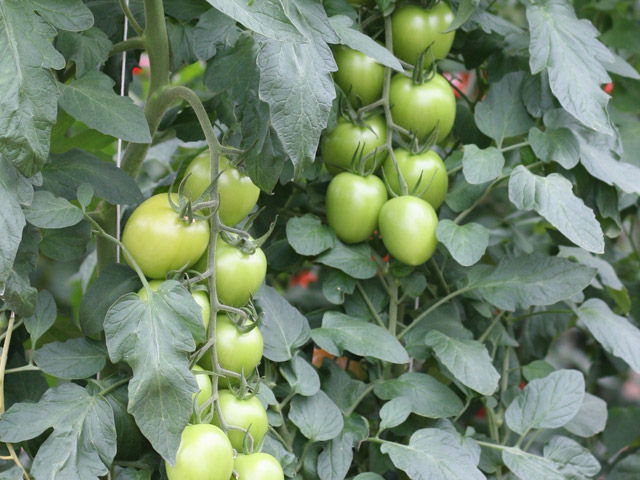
(238, 194)
(358, 75)
(340, 144)
(205, 453)
(248, 414)
(353, 205)
(205, 389)
(238, 274)
(415, 28)
(428, 164)
(408, 228)
(419, 108)
(258, 466)
(160, 241)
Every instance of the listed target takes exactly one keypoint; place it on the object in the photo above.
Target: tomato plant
(248, 414)
(258, 466)
(238, 274)
(358, 75)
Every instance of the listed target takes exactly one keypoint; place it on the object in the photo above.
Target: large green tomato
(238, 194)
(419, 108)
(428, 164)
(415, 28)
(160, 241)
(205, 389)
(238, 275)
(248, 414)
(353, 205)
(408, 228)
(340, 144)
(205, 453)
(258, 466)
(236, 351)
(359, 75)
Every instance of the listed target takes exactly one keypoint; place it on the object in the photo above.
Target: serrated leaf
(213, 29)
(76, 358)
(591, 418)
(12, 219)
(86, 49)
(359, 41)
(571, 459)
(552, 197)
(49, 211)
(530, 467)
(19, 296)
(467, 360)
(83, 442)
(466, 243)
(71, 15)
(616, 334)
(568, 49)
(154, 336)
(481, 166)
(43, 317)
(308, 236)
(91, 100)
(283, 327)
(354, 260)
(502, 114)
(317, 417)
(301, 376)
(340, 332)
(429, 398)
(433, 454)
(548, 402)
(394, 412)
(559, 145)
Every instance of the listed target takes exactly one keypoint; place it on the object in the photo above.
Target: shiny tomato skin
(159, 241)
(247, 414)
(205, 453)
(415, 28)
(205, 389)
(353, 205)
(428, 164)
(419, 108)
(258, 466)
(408, 228)
(340, 144)
(238, 194)
(359, 75)
(238, 274)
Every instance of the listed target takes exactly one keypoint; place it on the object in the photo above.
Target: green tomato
(258, 466)
(415, 28)
(238, 194)
(359, 75)
(238, 275)
(340, 144)
(205, 453)
(247, 414)
(428, 164)
(353, 205)
(420, 108)
(408, 229)
(160, 241)
(205, 389)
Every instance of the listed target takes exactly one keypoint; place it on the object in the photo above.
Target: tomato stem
(132, 20)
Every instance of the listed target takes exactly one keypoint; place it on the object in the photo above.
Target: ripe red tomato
(358, 75)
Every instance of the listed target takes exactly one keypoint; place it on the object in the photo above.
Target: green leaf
(133, 474)
(337, 284)
(301, 376)
(86, 49)
(354, 260)
(568, 49)
(12, 219)
(76, 358)
(394, 412)
(71, 15)
(49, 211)
(359, 41)
(43, 317)
(552, 197)
(530, 467)
(502, 114)
(466, 243)
(548, 402)
(65, 244)
(29, 94)
(626, 469)
(433, 454)
(559, 145)
(467, 360)
(317, 417)
(537, 369)
(368, 476)
(308, 236)
(429, 398)
(19, 296)
(63, 174)
(529, 280)
(83, 442)
(181, 40)
(572, 459)
(283, 327)
(590, 419)
(91, 100)
(335, 460)
(213, 29)
(266, 17)
(154, 336)
(623, 428)
(463, 14)
(340, 332)
(463, 194)
(481, 166)
(616, 334)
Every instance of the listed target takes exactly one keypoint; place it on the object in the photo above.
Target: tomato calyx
(186, 208)
(421, 73)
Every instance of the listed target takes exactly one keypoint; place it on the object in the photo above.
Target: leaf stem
(514, 146)
(132, 20)
(17, 325)
(360, 398)
(486, 333)
(114, 386)
(24, 368)
(133, 43)
(370, 306)
(440, 276)
(304, 455)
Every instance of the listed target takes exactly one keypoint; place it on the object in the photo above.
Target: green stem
(486, 333)
(393, 307)
(132, 20)
(304, 455)
(464, 409)
(24, 368)
(16, 326)
(539, 312)
(133, 43)
(513, 147)
(440, 276)
(360, 398)
(114, 386)
(532, 439)
(370, 306)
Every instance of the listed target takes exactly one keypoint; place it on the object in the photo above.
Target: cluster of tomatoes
(421, 106)
(161, 240)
